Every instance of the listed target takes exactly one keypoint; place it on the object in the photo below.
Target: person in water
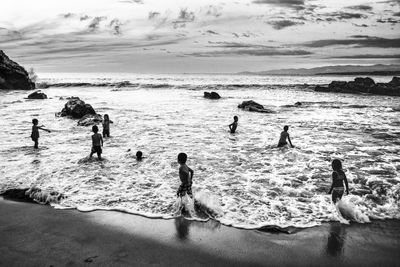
(284, 135)
(234, 124)
(185, 175)
(106, 125)
(35, 132)
(97, 142)
(338, 177)
(139, 155)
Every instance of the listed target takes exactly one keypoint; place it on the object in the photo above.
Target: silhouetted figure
(234, 124)
(337, 236)
(284, 135)
(185, 175)
(35, 132)
(106, 126)
(139, 155)
(338, 177)
(97, 142)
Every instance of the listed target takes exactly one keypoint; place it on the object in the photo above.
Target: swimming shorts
(337, 193)
(97, 149)
(281, 144)
(184, 189)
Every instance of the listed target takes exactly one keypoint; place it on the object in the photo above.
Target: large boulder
(37, 95)
(363, 85)
(254, 106)
(77, 108)
(12, 75)
(212, 95)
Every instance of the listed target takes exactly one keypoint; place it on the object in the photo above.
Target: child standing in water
(186, 176)
(284, 135)
(338, 177)
(97, 142)
(106, 126)
(234, 124)
(35, 132)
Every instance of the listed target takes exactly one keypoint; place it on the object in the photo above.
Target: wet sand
(36, 235)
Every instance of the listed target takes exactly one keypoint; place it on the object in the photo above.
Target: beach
(37, 235)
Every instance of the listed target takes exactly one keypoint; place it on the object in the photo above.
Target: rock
(12, 75)
(76, 108)
(212, 95)
(37, 95)
(254, 106)
(363, 85)
(90, 119)
(298, 104)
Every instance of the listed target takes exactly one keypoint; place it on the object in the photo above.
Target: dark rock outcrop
(76, 108)
(363, 85)
(254, 106)
(212, 95)
(90, 119)
(12, 75)
(37, 95)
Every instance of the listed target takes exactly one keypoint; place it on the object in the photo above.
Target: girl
(106, 126)
(338, 177)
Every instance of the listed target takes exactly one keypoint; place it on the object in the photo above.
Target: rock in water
(212, 95)
(90, 119)
(76, 108)
(12, 75)
(254, 106)
(37, 95)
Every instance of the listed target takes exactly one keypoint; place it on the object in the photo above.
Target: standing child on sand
(35, 132)
(106, 126)
(284, 135)
(186, 176)
(338, 177)
(234, 124)
(97, 142)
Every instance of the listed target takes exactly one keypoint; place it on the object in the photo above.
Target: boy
(35, 132)
(234, 124)
(284, 136)
(185, 175)
(97, 142)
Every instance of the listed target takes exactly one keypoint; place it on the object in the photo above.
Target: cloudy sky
(175, 36)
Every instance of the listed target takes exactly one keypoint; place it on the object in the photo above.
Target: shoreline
(38, 235)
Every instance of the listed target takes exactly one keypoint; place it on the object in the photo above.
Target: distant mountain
(379, 69)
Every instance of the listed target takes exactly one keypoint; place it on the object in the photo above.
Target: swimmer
(284, 135)
(338, 177)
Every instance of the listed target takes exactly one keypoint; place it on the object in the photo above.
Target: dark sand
(36, 235)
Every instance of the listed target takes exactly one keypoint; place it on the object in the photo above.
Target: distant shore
(37, 235)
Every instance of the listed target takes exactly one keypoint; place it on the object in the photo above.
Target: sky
(190, 36)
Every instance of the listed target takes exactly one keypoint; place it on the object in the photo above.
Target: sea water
(243, 177)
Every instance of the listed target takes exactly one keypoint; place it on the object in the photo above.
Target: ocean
(242, 178)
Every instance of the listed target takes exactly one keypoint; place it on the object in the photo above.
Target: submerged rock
(363, 85)
(12, 75)
(212, 95)
(90, 119)
(254, 106)
(76, 108)
(37, 95)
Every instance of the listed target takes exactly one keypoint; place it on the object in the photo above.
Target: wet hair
(35, 121)
(95, 129)
(182, 157)
(285, 128)
(235, 118)
(106, 117)
(139, 155)
(336, 165)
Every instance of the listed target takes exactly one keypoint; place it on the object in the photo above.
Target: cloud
(280, 24)
(357, 41)
(341, 15)
(361, 25)
(368, 56)
(212, 32)
(115, 24)
(214, 11)
(153, 14)
(293, 4)
(84, 17)
(131, 1)
(360, 7)
(184, 17)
